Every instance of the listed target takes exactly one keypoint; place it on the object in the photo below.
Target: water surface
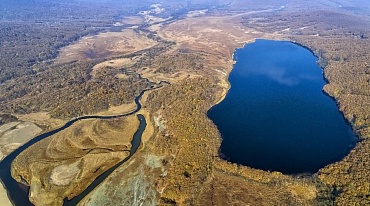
(275, 116)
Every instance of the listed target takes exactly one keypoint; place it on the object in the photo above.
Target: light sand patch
(4, 200)
(15, 134)
(150, 19)
(149, 130)
(153, 161)
(132, 20)
(8, 148)
(105, 45)
(160, 123)
(115, 63)
(117, 24)
(196, 13)
(156, 8)
(121, 76)
(64, 174)
(9, 126)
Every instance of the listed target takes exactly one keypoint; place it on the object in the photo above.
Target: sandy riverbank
(4, 200)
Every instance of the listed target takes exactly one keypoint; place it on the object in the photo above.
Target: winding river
(18, 192)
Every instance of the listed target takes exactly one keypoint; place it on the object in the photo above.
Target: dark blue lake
(275, 116)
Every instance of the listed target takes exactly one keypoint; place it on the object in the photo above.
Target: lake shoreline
(230, 86)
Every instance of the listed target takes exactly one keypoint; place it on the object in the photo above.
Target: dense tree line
(68, 91)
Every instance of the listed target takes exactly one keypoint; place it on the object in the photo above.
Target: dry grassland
(64, 164)
(105, 45)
